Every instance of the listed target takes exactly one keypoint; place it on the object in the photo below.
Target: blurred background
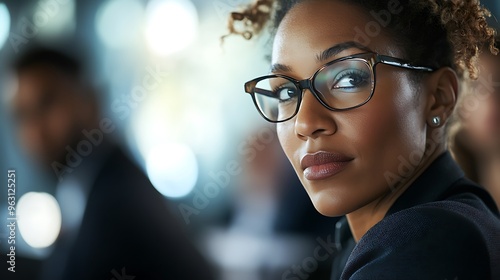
(195, 133)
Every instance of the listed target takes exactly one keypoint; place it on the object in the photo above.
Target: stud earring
(436, 121)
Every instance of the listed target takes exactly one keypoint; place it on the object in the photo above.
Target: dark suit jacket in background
(126, 230)
(443, 227)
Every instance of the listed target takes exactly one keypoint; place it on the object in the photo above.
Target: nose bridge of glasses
(309, 85)
(306, 84)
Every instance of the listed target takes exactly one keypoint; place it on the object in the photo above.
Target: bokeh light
(119, 22)
(55, 18)
(39, 219)
(173, 169)
(4, 24)
(171, 25)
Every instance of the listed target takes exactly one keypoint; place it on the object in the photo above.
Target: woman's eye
(285, 93)
(351, 79)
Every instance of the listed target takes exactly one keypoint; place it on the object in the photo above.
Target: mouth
(322, 165)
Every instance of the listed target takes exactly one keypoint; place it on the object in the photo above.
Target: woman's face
(481, 108)
(347, 160)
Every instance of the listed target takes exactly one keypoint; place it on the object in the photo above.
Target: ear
(443, 88)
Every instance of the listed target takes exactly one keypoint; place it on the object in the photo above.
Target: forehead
(38, 75)
(313, 26)
(39, 80)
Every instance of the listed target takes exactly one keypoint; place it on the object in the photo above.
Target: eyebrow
(338, 48)
(325, 55)
(277, 67)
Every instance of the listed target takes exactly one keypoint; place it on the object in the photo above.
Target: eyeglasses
(342, 84)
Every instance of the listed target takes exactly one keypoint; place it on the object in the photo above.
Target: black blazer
(127, 231)
(443, 227)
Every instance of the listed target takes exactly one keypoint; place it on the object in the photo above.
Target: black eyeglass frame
(371, 59)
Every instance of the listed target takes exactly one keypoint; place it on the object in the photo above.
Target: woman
(361, 92)
(475, 132)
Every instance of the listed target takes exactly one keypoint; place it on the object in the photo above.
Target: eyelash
(360, 73)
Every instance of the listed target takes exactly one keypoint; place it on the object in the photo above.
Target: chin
(331, 204)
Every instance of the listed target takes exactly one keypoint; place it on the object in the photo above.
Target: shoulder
(437, 240)
(120, 174)
(119, 167)
(121, 186)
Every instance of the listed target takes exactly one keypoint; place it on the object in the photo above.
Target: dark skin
(396, 122)
(51, 109)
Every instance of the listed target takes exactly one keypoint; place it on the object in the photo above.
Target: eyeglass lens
(340, 85)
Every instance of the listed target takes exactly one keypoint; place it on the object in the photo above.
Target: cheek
(482, 124)
(31, 137)
(476, 121)
(390, 127)
(60, 124)
(388, 137)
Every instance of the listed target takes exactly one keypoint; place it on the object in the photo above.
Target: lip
(322, 165)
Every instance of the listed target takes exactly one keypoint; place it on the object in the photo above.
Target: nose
(313, 119)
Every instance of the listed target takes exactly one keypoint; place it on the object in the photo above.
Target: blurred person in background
(475, 133)
(271, 225)
(114, 222)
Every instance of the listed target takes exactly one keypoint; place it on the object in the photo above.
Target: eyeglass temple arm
(401, 63)
(265, 92)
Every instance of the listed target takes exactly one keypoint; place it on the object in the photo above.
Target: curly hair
(254, 18)
(437, 33)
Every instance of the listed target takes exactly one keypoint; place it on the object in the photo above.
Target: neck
(363, 219)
